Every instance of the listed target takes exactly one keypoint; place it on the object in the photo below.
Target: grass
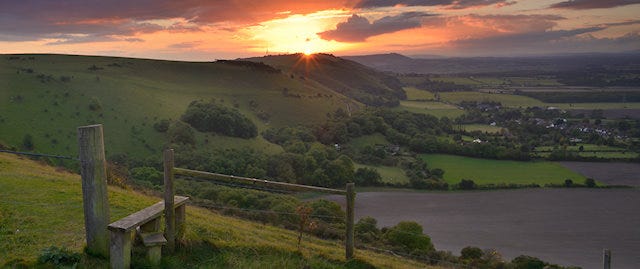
(485, 171)
(43, 206)
(482, 128)
(416, 94)
(134, 94)
(389, 174)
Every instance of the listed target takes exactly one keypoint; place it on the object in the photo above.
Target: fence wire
(232, 185)
(34, 154)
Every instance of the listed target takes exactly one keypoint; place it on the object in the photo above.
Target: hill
(352, 79)
(43, 207)
(47, 96)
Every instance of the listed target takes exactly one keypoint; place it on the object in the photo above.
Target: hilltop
(43, 207)
(48, 96)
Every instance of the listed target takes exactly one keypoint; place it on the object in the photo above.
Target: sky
(206, 30)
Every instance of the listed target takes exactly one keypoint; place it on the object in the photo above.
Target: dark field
(610, 113)
(608, 173)
(564, 226)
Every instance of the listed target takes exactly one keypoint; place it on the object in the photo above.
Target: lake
(562, 226)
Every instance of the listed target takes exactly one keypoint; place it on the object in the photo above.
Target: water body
(562, 226)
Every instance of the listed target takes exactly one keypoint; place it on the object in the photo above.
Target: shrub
(162, 126)
(408, 237)
(590, 183)
(467, 184)
(182, 133)
(59, 256)
(27, 142)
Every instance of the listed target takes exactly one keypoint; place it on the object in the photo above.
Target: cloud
(593, 4)
(358, 29)
(450, 4)
(29, 20)
(185, 45)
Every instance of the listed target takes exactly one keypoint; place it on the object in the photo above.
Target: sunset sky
(200, 30)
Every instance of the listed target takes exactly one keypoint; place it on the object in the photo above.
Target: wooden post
(121, 250)
(606, 259)
(169, 191)
(93, 168)
(349, 242)
(180, 221)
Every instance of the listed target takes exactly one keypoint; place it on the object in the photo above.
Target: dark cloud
(358, 29)
(110, 20)
(593, 4)
(452, 4)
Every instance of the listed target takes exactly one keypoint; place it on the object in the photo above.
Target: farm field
(562, 226)
(389, 174)
(436, 109)
(482, 128)
(611, 173)
(509, 100)
(415, 94)
(368, 140)
(610, 113)
(485, 171)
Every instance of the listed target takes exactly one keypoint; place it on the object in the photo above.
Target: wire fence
(233, 185)
(34, 154)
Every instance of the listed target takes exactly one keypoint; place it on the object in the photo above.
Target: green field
(482, 128)
(437, 109)
(369, 140)
(509, 100)
(415, 94)
(49, 96)
(42, 207)
(389, 174)
(485, 171)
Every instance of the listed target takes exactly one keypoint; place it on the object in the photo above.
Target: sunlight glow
(298, 33)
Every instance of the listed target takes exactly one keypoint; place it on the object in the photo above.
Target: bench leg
(120, 250)
(180, 221)
(154, 254)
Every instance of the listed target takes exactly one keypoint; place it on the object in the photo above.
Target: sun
(307, 51)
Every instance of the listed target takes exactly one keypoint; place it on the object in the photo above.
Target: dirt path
(563, 226)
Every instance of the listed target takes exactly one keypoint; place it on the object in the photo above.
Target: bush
(367, 177)
(27, 142)
(590, 182)
(148, 174)
(94, 104)
(162, 126)
(182, 133)
(467, 184)
(408, 237)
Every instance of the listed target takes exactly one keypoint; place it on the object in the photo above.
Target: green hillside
(48, 96)
(42, 207)
(347, 77)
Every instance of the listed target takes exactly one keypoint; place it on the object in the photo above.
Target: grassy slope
(484, 171)
(136, 93)
(43, 207)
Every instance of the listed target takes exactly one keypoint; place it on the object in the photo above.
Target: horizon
(203, 30)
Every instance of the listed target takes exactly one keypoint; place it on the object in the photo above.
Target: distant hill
(47, 97)
(482, 65)
(347, 77)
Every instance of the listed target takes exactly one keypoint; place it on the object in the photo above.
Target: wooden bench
(147, 223)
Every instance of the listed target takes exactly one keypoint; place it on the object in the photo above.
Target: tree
(27, 142)
(471, 253)
(181, 132)
(568, 183)
(162, 126)
(367, 177)
(366, 230)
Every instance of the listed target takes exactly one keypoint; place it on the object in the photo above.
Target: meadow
(485, 171)
(482, 128)
(388, 174)
(49, 96)
(42, 207)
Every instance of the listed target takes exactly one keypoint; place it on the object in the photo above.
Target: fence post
(606, 259)
(169, 191)
(93, 170)
(349, 242)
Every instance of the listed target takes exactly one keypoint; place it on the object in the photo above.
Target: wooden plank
(253, 181)
(143, 216)
(153, 239)
(120, 256)
(93, 170)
